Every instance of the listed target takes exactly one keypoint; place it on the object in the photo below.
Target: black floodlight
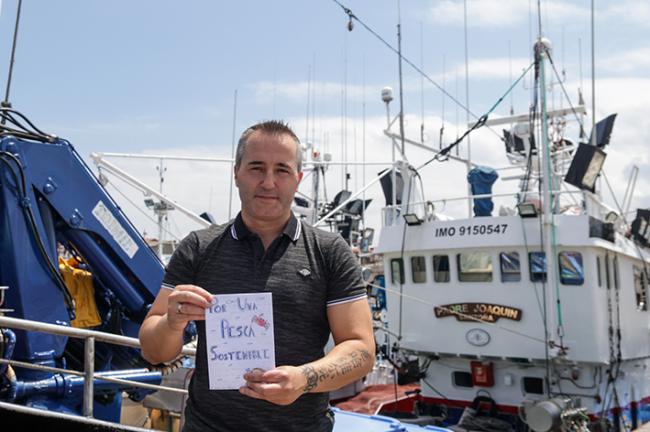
(412, 219)
(208, 217)
(585, 167)
(641, 226)
(514, 143)
(301, 202)
(527, 210)
(603, 131)
(357, 207)
(387, 186)
(340, 197)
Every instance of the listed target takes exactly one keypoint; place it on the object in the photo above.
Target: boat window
(510, 267)
(598, 271)
(461, 379)
(571, 269)
(474, 267)
(640, 289)
(615, 266)
(397, 271)
(418, 269)
(537, 265)
(441, 268)
(533, 385)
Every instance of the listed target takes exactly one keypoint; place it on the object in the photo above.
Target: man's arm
(352, 358)
(161, 333)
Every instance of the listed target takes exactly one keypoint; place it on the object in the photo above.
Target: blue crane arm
(48, 195)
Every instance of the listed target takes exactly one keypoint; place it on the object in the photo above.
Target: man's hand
(281, 386)
(186, 303)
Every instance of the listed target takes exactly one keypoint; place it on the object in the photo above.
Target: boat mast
(542, 47)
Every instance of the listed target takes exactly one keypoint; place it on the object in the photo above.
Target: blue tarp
(346, 421)
(481, 179)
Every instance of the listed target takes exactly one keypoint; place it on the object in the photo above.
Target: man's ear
(234, 173)
(300, 174)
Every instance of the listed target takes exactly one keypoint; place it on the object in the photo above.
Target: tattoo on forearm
(312, 378)
(340, 367)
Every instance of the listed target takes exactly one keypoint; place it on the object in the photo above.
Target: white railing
(89, 374)
(389, 210)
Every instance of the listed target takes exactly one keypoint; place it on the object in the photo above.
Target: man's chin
(268, 215)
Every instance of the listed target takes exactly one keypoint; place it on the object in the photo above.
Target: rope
(460, 314)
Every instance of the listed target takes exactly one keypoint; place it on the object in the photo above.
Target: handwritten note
(239, 338)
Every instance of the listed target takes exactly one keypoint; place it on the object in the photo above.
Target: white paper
(239, 338)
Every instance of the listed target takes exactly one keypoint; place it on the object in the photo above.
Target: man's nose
(268, 182)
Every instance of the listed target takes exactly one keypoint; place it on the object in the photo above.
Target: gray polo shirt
(307, 270)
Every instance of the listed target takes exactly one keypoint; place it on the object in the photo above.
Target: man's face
(268, 177)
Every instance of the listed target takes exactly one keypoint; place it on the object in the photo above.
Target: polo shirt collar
(239, 230)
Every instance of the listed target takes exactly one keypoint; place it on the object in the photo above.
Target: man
(316, 286)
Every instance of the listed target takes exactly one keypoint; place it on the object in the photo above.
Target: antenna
(422, 84)
(512, 107)
(308, 102)
(469, 146)
(5, 103)
(593, 76)
(444, 84)
(232, 153)
(313, 100)
(401, 90)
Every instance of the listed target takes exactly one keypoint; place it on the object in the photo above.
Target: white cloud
(634, 11)
(205, 186)
(491, 68)
(627, 61)
(498, 13)
(297, 91)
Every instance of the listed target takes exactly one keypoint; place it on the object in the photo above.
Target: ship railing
(89, 374)
(427, 210)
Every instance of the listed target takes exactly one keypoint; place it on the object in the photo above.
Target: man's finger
(256, 375)
(190, 309)
(274, 375)
(265, 389)
(190, 297)
(196, 290)
(246, 391)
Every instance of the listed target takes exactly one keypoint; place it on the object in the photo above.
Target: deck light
(527, 210)
(640, 229)
(412, 219)
(585, 167)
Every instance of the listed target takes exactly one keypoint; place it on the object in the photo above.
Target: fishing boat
(534, 315)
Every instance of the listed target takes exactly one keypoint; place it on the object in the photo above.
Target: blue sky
(159, 76)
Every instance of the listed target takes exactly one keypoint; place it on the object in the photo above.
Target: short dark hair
(271, 127)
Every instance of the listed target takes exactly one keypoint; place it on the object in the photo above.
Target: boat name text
(485, 312)
(471, 230)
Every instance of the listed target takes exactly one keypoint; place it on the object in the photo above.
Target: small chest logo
(304, 273)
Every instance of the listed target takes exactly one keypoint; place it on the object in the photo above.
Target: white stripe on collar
(233, 232)
(298, 229)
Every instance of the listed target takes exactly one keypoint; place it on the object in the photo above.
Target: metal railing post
(89, 372)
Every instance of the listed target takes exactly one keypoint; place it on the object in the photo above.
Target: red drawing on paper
(260, 321)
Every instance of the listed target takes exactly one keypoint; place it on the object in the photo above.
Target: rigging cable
(5, 103)
(21, 190)
(533, 120)
(459, 314)
(566, 95)
(352, 16)
(480, 122)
